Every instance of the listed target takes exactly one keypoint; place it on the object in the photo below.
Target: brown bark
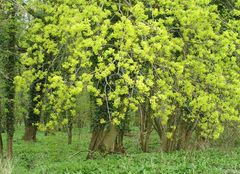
(103, 140)
(166, 145)
(30, 133)
(185, 136)
(202, 143)
(180, 139)
(157, 126)
(95, 140)
(145, 128)
(1, 145)
(181, 134)
(119, 142)
(108, 142)
(10, 146)
(97, 134)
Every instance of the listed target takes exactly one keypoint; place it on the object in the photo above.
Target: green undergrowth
(51, 154)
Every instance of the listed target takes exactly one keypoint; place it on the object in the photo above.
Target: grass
(51, 154)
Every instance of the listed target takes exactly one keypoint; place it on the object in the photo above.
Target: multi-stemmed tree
(176, 62)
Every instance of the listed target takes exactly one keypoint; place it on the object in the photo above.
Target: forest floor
(51, 155)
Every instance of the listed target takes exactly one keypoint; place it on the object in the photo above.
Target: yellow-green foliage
(178, 54)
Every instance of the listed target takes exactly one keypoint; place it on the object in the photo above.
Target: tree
(9, 69)
(50, 67)
(194, 95)
(176, 61)
(2, 56)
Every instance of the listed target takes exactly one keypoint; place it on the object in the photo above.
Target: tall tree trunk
(10, 74)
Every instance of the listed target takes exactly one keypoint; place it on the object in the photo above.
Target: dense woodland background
(113, 80)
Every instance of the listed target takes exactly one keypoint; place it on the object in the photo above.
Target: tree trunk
(180, 132)
(145, 127)
(30, 133)
(95, 140)
(9, 146)
(168, 145)
(158, 127)
(108, 140)
(10, 74)
(103, 140)
(184, 137)
(202, 143)
(119, 142)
